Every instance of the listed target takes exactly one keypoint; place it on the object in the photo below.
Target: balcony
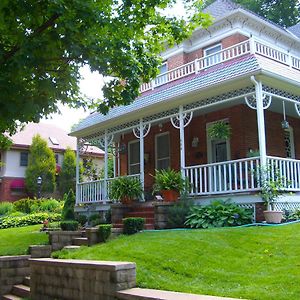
(250, 46)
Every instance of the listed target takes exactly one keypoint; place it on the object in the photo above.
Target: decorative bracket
(187, 118)
(146, 130)
(267, 100)
(110, 138)
(297, 107)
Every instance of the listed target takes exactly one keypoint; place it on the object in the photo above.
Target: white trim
(209, 142)
(169, 157)
(128, 163)
(212, 47)
(290, 130)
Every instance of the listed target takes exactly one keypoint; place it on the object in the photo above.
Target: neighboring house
(15, 160)
(244, 70)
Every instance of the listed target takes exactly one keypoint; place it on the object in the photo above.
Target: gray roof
(295, 29)
(220, 8)
(213, 75)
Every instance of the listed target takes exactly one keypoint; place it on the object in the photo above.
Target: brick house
(243, 70)
(15, 160)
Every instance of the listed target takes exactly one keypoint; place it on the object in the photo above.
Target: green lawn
(252, 263)
(15, 241)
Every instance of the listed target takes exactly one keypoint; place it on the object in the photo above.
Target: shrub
(104, 232)
(218, 214)
(178, 213)
(133, 225)
(28, 205)
(67, 176)
(68, 209)
(95, 220)
(24, 205)
(6, 208)
(31, 219)
(82, 219)
(293, 216)
(69, 225)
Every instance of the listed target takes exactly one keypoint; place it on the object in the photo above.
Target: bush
(68, 209)
(82, 219)
(24, 205)
(69, 225)
(67, 176)
(95, 220)
(28, 205)
(218, 214)
(104, 232)
(133, 225)
(31, 219)
(178, 213)
(293, 216)
(6, 208)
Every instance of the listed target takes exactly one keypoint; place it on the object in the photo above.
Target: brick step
(21, 290)
(140, 214)
(80, 241)
(26, 281)
(147, 226)
(11, 297)
(143, 208)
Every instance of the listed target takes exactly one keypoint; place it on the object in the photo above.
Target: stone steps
(80, 241)
(11, 297)
(19, 291)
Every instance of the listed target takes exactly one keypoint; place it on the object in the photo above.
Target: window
(24, 159)
(213, 56)
(162, 79)
(289, 143)
(56, 158)
(162, 150)
(53, 140)
(133, 157)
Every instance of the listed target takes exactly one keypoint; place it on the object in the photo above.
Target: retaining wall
(60, 239)
(13, 269)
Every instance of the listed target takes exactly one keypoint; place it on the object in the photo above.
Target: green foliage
(219, 130)
(41, 163)
(28, 205)
(82, 219)
(43, 46)
(178, 212)
(6, 208)
(30, 219)
(104, 232)
(168, 180)
(5, 142)
(67, 176)
(125, 187)
(70, 225)
(89, 169)
(294, 216)
(133, 225)
(95, 220)
(218, 214)
(68, 209)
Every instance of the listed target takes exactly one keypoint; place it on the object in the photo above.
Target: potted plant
(125, 189)
(169, 183)
(219, 130)
(271, 189)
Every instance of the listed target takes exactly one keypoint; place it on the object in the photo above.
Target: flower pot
(126, 200)
(170, 195)
(273, 217)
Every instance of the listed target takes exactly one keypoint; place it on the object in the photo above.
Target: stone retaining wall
(79, 279)
(60, 239)
(161, 214)
(13, 269)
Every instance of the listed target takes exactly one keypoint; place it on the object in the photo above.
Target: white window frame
(23, 165)
(129, 164)
(207, 61)
(169, 157)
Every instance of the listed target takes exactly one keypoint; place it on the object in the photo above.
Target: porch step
(143, 208)
(80, 241)
(26, 281)
(11, 297)
(120, 226)
(140, 214)
(21, 290)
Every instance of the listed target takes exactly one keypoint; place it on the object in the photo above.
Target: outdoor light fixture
(195, 142)
(39, 184)
(284, 124)
(160, 125)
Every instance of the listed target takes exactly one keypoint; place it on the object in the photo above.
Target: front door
(219, 151)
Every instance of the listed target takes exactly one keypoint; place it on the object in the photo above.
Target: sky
(91, 86)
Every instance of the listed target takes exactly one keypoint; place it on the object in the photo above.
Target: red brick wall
(244, 136)
(6, 194)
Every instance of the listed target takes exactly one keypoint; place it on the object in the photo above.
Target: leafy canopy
(45, 43)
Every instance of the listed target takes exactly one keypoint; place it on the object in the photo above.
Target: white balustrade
(272, 53)
(286, 168)
(224, 177)
(296, 63)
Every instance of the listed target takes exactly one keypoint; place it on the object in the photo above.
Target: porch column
(105, 167)
(182, 146)
(142, 161)
(119, 168)
(115, 159)
(260, 122)
(77, 171)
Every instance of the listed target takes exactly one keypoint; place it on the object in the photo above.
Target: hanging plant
(219, 130)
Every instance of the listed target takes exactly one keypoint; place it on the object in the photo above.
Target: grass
(15, 241)
(252, 263)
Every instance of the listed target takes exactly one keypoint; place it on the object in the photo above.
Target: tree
(69, 205)
(67, 176)
(44, 44)
(41, 163)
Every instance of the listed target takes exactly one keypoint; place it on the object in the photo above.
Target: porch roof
(220, 73)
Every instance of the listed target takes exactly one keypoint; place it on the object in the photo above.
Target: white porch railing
(96, 191)
(224, 177)
(286, 168)
(246, 47)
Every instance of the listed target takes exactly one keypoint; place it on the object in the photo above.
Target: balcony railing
(246, 47)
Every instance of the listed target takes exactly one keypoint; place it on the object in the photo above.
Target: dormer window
(213, 54)
(53, 140)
